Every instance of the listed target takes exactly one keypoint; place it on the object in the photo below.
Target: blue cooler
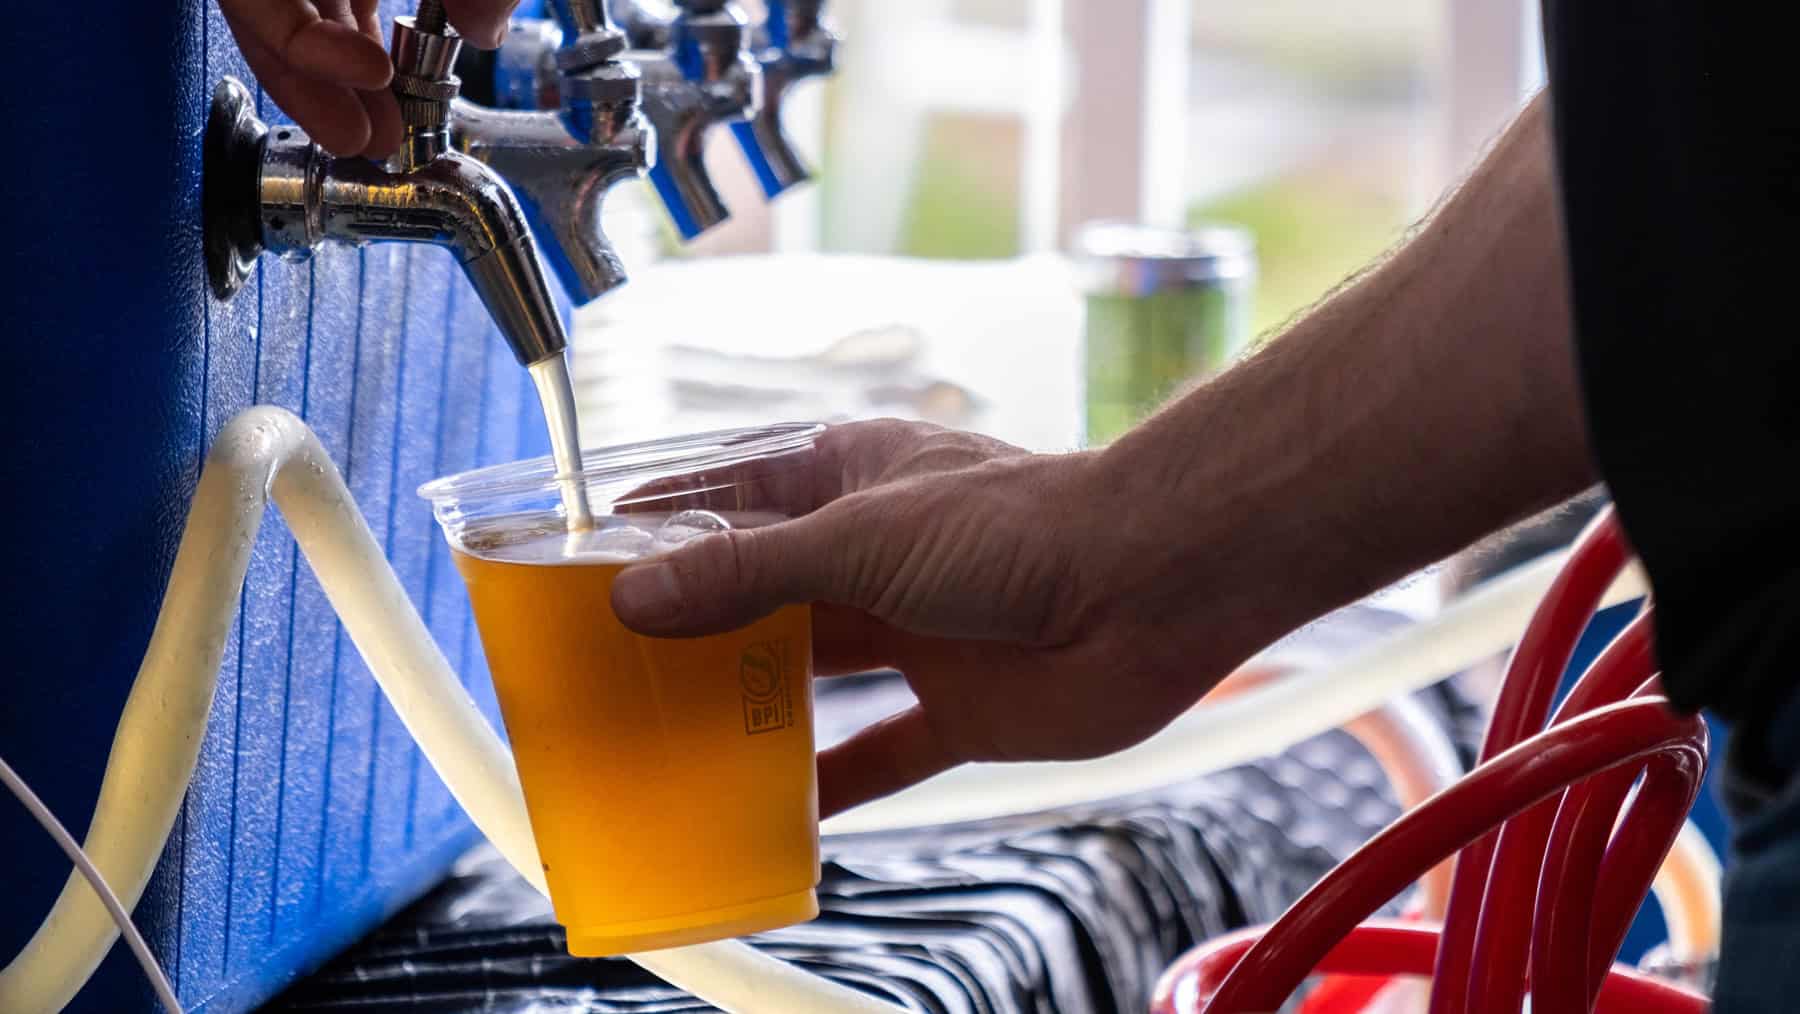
(312, 815)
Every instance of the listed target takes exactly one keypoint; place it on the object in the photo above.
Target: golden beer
(670, 782)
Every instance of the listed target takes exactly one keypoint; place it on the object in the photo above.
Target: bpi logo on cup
(768, 698)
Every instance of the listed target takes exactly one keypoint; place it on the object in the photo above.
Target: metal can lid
(1136, 260)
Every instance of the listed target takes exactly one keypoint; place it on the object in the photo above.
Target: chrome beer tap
(704, 76)
(563, 161)
(791, 45)
(271, 188)
(697, 72)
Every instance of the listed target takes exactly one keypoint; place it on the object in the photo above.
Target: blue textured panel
(311, 814)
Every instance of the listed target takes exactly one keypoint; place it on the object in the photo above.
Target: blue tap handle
(675, 202)
(773, 185)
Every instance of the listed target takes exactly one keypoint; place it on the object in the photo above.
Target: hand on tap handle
(325, 63)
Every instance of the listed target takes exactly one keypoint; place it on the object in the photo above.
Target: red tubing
(1565, 920)
(1558, 793)
(1619, 671)
(1638, 849)
(1616, 736)
(1565, 888)
(1386, 947)
(1582, 940)
(1504, 913)
(1531, 679)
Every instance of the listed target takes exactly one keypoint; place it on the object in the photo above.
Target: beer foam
(617, 538)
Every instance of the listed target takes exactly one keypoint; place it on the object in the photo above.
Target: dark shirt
(1677, 127)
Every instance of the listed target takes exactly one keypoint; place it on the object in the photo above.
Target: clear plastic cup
(670, 782)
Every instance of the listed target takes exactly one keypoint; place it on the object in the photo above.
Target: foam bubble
(616, 542)
(685, 525)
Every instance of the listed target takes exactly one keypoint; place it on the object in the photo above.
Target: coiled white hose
(265, 453)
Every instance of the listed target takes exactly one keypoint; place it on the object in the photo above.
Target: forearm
(1426, 404)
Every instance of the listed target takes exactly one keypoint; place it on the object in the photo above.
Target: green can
(1164, 307)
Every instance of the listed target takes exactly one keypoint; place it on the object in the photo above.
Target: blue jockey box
(312, 815)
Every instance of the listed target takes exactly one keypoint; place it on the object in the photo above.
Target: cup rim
(689, 452)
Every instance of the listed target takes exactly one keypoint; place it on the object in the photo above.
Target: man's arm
(1064, 606)
(1423, 405)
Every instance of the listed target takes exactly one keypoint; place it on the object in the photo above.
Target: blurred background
(959, 131)
(990, 128)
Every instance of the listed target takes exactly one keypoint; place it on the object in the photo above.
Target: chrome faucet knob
(424, 53)
(589, 49)
(793, 44)
(421, 51)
